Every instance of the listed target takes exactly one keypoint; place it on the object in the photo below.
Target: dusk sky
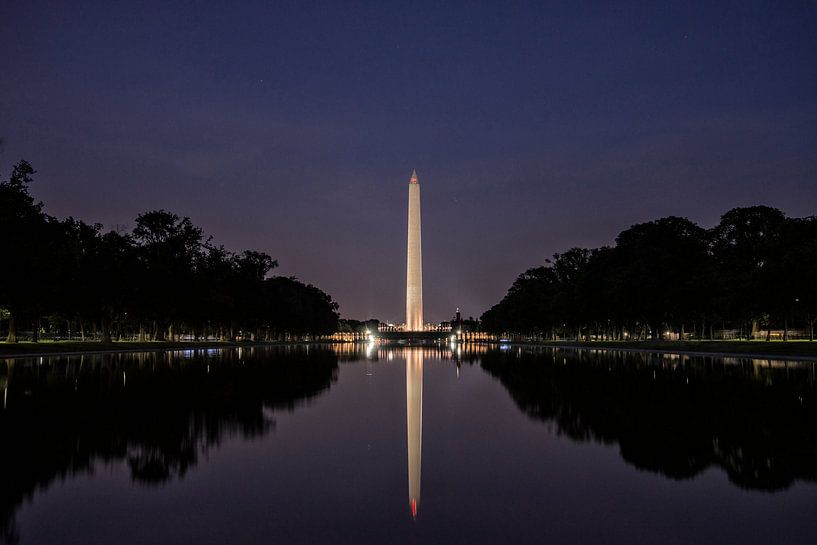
(292, 127)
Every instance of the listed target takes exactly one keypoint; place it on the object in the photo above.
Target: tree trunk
(35, 333)
(786, 329)
(12, 336)
(106, 330)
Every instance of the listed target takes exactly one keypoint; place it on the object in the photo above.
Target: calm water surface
(406, 445)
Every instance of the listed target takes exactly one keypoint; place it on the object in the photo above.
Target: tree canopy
(754, 269)
(162, 280)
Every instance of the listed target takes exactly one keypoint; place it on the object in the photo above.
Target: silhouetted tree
(754, 267)
(24, 228)
(660, 263)
(163, 280)
(747, 244)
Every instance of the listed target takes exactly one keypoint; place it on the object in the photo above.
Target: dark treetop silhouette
(162, 280)
(755, 268)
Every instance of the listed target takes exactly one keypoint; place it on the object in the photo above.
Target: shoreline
(784, 351)
(720, 349)
(95, 347)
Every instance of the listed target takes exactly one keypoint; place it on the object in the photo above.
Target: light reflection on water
(328, 443)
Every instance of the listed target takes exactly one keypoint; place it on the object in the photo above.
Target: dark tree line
(162, 280)
(754, 271)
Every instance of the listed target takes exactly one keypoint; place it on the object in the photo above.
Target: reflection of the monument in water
(667, 413)
(414, 424)
(414, 357)
(414, 414)
(160, 415)
(414, 409)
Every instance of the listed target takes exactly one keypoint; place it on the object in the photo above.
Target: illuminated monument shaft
(414, 424)
(414, 261)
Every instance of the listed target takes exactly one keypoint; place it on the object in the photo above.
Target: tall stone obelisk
(414, 260)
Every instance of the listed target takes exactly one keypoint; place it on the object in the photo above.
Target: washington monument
(414, 260)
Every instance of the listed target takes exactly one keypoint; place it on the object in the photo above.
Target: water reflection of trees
(158, 412)
(676, 416)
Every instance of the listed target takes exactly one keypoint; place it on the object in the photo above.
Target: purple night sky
(292, 127)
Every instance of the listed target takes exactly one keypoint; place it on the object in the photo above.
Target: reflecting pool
(394, 444)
